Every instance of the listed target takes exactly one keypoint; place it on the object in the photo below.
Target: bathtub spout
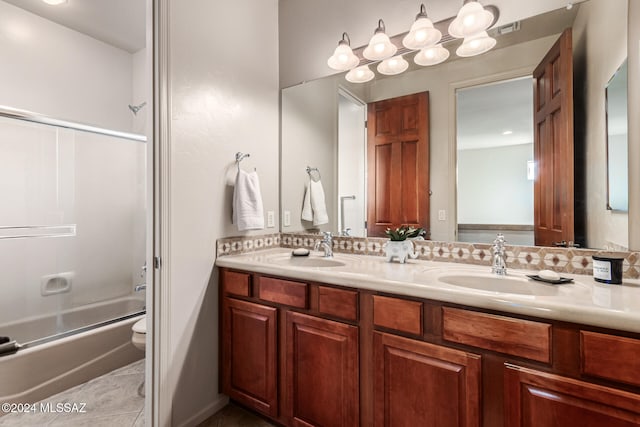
(140, 287)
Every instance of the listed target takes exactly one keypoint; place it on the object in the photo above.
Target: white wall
(310, 29)
(601, 51)
(493, 187)
(223, 84)
(52, 70)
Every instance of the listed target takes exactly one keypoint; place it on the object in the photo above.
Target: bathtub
(47, 367)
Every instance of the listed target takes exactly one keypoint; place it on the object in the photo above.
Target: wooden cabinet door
(421, 384)
(398, 163)
(553, 189)
(321, 372)
(540, 399)
(249, 356)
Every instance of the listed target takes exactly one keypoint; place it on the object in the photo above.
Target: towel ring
(239, 157)
(311, 172)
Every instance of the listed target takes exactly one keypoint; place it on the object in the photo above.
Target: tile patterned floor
(111, 401)
(234, 416)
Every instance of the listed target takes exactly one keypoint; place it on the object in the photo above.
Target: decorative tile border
(244, 244)
(535, 258)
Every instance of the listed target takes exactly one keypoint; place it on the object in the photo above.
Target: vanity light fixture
(392, 66)
(431, 56)
(343, 58)
(380, 47)
(470, 23)
(472, 18)
(361, 74)
(476, 44)
(422, 33)
(55, 2)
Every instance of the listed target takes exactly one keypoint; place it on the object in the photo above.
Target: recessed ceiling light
(55, 2)
(507, 132)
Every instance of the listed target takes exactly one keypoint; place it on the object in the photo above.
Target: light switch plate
(442, 215)
(286, 219)
(271, 219)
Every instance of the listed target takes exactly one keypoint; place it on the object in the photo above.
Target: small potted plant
(398, 246)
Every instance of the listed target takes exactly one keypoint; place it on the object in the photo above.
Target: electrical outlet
(286, 218)
(271, 219)
(442, 215)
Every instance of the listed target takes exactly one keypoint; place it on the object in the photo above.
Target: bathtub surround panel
(535, 258)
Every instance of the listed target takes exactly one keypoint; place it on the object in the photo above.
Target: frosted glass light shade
(421, 35)
(54, 2)
(380, 47)
(431, 56)
(360, 74)
(471, 19)
(475, 45)
(343, 58)
(393, 66)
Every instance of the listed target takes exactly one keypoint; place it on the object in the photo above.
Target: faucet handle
(327, 235)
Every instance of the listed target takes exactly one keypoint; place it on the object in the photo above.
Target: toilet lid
(140, 327)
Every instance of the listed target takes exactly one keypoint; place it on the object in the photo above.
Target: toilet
(139, 336)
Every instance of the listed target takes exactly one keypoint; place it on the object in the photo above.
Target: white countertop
(584, 301)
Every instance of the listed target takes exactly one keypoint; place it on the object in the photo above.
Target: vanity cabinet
(540, 399)
(288, 350)
(250, 354)
(314, 354)
(421, 384)
(321, 371)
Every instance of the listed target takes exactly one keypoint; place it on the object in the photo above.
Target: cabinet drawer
(517, 337)
(283, 292)
(399, 314)
(236, 283)
(610, 357)
(338, 302)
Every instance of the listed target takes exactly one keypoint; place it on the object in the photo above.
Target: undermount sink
(495, 283)
(306, 261)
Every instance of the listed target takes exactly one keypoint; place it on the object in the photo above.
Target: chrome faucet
(498, 263)
(141, 287)
(326, 243)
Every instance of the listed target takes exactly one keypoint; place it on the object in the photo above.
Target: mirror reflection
(314, 114)
(617, 144)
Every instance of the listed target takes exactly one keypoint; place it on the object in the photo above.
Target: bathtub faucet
(140, 287)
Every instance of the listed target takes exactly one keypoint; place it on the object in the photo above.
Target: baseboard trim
(206, 412)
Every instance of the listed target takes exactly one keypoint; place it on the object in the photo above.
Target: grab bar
(28, 116)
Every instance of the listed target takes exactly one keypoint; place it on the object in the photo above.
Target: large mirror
(322, 127)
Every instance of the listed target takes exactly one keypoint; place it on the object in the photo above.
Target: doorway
(495, 169)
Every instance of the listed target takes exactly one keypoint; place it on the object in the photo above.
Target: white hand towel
(318, 204)
(248, 213)
(307, 212)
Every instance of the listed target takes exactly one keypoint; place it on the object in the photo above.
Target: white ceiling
(120, 23)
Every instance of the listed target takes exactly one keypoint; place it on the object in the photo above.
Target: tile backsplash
(562, 260)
